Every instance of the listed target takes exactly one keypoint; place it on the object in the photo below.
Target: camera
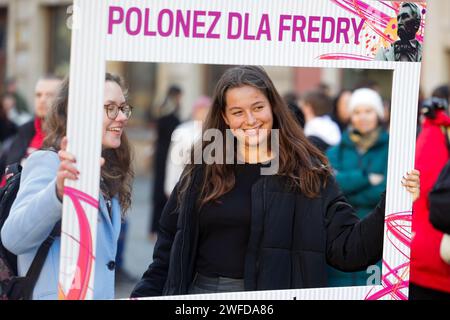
(431, 105)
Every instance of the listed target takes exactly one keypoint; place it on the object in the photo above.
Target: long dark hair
(299, 160)
(117, 171)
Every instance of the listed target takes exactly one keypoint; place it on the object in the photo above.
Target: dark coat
(440, 201)
(7, 129)
(292, 238)
(17, 148)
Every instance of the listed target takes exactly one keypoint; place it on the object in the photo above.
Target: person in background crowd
(360, 164)
(7, 127)
(10, 106)
(430, 274)
(7, 131)
(319, 128)
(37, 208)
(387, 115)
(340, 113)
(21, 103)
(291, 100)
(231, 227)
(441, 92)
(167, 123)
(183, 138)
(30, 135)
(324, 88)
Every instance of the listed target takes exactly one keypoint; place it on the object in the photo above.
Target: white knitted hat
(367, 97)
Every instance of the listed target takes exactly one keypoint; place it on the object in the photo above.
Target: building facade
(35, 40)
(436, 56)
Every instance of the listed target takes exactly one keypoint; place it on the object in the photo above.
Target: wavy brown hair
(117, 172)
(306, 167)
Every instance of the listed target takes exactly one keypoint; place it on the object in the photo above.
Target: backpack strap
(38, 262)
(13, 169)
(41, 255)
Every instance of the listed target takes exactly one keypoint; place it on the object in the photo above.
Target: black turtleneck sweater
(225, 227)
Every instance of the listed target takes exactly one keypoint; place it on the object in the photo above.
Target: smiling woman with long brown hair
(228, 227)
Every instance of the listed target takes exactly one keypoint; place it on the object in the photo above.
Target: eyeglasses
(112, 110)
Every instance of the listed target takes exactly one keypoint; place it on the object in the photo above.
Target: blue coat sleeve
(36, 208)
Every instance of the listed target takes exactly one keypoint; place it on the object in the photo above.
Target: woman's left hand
(412, 183)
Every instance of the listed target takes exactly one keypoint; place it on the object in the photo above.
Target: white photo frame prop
(305, 33)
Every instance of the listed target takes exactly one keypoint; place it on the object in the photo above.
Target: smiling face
(248, 113)
(364, 119)
(113, 129)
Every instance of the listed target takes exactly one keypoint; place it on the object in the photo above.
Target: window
(3, 42)
(59, 40)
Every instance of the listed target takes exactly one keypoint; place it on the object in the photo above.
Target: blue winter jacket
(32, 217)
(353, 169)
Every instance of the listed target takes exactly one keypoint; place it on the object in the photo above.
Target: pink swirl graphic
(343, 56)
(380, 29)
(394, 279)
(375, 19)
(85, 260)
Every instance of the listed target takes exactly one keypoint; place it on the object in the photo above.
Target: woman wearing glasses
(38, 206)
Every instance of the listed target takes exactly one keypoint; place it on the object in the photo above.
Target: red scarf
(38, 139)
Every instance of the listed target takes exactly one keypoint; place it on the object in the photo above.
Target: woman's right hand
(412, 183)
(66, 170)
